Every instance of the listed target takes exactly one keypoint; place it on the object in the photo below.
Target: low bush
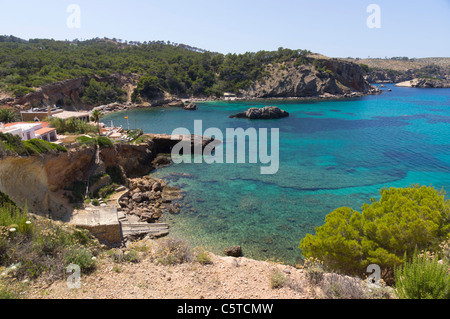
(86, 140)
(38, 146)
(40, 248)
(82, 257)
(13, 144)
(119, 256)
(103, 141)
(277, 279)
(335, 286)
(72, 126)
(423, 277)
(202, 256)
(172, 251)
(314, 270)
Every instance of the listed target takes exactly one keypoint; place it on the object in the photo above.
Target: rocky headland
(329, 78)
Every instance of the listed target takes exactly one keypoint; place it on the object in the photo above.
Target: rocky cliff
(48, 183)
(328, 77)
(388, 76)
(45, 183)
(67, 93)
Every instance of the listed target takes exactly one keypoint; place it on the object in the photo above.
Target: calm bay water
(332, 154)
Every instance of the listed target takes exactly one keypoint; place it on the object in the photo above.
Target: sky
(336, 28)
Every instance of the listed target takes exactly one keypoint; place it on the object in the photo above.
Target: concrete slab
(102, 222)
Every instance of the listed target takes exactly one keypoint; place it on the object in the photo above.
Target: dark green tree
(404, 219)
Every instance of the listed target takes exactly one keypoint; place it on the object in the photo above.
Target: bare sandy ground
(225, 278)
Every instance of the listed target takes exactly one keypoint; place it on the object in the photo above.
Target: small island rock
(268, 112)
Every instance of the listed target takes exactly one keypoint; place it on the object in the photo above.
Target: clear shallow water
(332, 154)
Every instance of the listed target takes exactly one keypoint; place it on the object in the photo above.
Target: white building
(28, 131)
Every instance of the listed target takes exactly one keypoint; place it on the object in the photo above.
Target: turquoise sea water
(332, 154)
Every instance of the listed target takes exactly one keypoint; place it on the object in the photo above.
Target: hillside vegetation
(11, 145)
(174, 68)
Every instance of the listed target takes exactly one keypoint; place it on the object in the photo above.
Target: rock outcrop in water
(265, 113)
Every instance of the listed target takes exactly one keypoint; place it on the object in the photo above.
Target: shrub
(277, 279)
(132, 256)
(116, 174)
(335, 286)
(12, 143)
(116, 255)
(85, 140)
(173, 251)
(403, 219)
(203, 257)
(119, 256)
(8, 116)
(43, 248)
(38, 146)
(72, 126)
(422, 278)
(6, 200)
(314, 270)
(103, 141)
(95, 202)
(11, 217)
(82, 257)
(19, 90)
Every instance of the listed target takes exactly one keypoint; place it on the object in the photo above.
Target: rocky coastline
(149, 199)
(191, 103)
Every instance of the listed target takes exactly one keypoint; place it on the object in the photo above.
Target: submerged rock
(268, 112)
